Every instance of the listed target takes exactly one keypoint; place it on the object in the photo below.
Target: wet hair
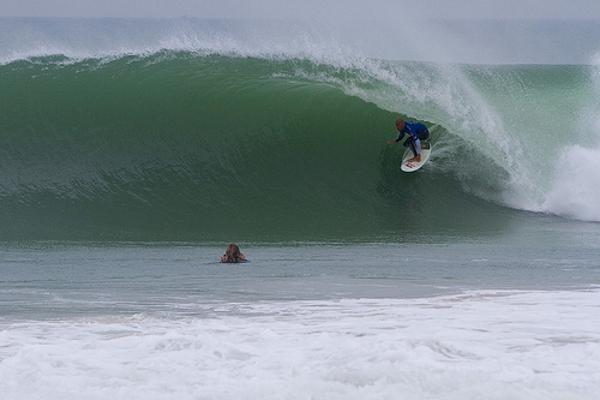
(400, 121)
(233, 254)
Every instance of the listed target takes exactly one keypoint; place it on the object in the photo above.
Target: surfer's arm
(400, 136)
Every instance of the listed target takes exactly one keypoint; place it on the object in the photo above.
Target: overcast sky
(311, 9)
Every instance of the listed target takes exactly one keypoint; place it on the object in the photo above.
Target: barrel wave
(187, 146)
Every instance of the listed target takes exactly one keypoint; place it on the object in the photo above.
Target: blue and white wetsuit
(416, 132)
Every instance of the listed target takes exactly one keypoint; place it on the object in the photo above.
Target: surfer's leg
(424, 135)
(410, 142)
(415, 147)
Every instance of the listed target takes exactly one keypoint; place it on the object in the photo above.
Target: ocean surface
(133, 151)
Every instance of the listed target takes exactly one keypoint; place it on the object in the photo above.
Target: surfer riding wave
(415, 132)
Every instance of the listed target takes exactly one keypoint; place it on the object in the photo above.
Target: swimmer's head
(233, 251)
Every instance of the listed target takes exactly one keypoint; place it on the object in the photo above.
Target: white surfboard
(414, 166)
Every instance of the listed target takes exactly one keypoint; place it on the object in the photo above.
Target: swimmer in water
(233, 255)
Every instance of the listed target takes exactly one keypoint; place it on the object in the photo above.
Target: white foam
(479, 345)
(576, 189)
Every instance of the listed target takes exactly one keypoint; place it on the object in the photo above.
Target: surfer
(233, 255)
(416, 132)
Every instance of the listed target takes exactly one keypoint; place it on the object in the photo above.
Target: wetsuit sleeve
(400, 136)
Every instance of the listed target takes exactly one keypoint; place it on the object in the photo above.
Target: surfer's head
(400, 124)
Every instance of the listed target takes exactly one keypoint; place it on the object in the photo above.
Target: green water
(181, 146)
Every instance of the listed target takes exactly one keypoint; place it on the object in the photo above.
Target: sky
(306, 9)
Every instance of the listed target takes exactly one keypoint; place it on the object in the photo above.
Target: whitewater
(374, 321)
(133, 151)
(360, 349)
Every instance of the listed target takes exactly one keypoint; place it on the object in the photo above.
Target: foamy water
(576, 190)
(478, 345)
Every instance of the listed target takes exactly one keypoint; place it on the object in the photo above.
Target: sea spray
(575, 192)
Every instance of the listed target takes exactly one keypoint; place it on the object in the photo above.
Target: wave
(202, 145)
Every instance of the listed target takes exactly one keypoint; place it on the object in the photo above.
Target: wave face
(214, 145)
